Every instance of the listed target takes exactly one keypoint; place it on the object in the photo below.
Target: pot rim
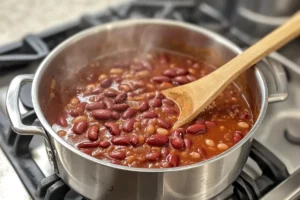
(119, 24)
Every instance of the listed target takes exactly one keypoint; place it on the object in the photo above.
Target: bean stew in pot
(122, 117)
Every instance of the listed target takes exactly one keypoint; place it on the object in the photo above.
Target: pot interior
(71, 61)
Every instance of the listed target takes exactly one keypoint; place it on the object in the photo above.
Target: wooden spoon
(192, 98)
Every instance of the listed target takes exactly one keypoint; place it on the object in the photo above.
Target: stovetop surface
(279, 132)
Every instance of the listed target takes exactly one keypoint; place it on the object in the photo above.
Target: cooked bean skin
(120, 115)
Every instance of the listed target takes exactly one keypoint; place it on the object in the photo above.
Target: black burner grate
(35, 47)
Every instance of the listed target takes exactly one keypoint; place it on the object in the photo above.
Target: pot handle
(12, 107)
(281, 81)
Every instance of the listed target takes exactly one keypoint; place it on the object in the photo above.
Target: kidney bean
(95, 106)
(157, 140)
(243, 125)
(188, 143)
(79, 127)
(150, 129)
(101, 114)
(195, 155)
(82, 105)
(110, 92)
(121, 140)
(180, 80)
(128, 125)
(168, 102)
(124, 87)
(181, 71)
(165, 152)
(155, 102)
(134, 141)
(97, 90)
(237, 136)
(121, 97)
(163, 123)
(209, 143)
(143, 106)
(150, 114)
(177, 143)
(113, 128)
(76, 112)
(169, 110)
(153, 156)
(88, 144)
(191, 78)
(199, 121)
(170, 73)
(160, 79)
(115, 115)
(120, 107)
(93, 132)
(202, 152)
(119, 155)
(159, 95)
(79, 119)
(173, 160)
(108, 103)
(106, 82)
(100, 97)
(179, 132)
(244, 116)
(210, 124)
(164, 58)
(129, 113)
(162, 131)
(104, 144)
(222, 146)
(62, 122)
(196, 129)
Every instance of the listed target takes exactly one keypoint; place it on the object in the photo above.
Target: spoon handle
(272, 42)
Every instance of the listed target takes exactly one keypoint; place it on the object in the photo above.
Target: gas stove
(273, 168)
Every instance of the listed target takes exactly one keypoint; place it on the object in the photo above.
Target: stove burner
(25, 96)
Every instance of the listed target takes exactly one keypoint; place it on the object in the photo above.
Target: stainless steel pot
(96, 179)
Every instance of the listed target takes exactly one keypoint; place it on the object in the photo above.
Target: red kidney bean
(95, 106)
(165, 151)
(191, 78)
(181, 71)
(128, 125)
(113, 128)
(180, 80)
(164, 58)
(110, 92)
(160, 95)
(155, 102)
(244, 116)
(153, 156)
(100, 97)
(119, 155)
(237, 136)
(210, 124)
(121, 97)
(88, 144)
(120, 107)
(163, 123)
(77, 112)
(93, 132)
(121, 140)
(168, 102)
(62, 122)
(169, 110)
(173, 160)
(82, 105)
(188, 143)
(115, 115)
(179, 132)
(177, 143)
(196, 129)
(170, 73)
(104, 144)
(101, 114)
(202, 152)
(161, 79)
(108, 103)
(106, 83)
(157, 140)
(97, 90)
(129, 113)
(150, 114)
(143, 106)
(79, 127)
(134, 141)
